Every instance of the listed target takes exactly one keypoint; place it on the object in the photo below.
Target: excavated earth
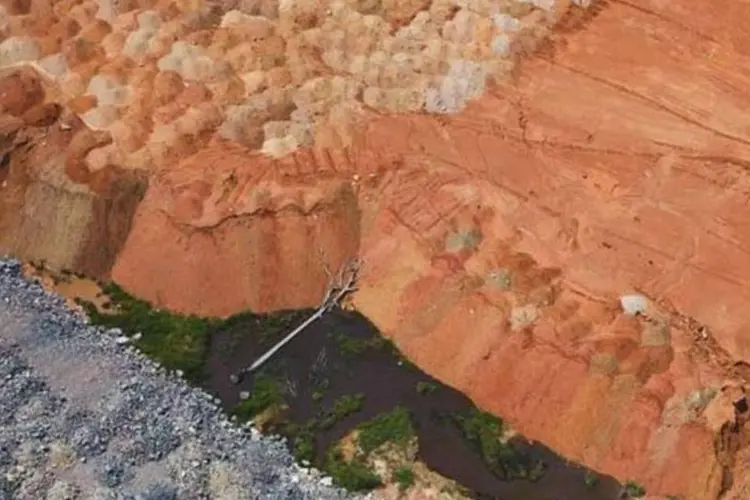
(507, 170)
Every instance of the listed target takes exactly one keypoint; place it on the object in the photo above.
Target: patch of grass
(633, 490)
(319, 388)
(270, 326)
(302, 438)
(533, 473)
(352, 346)
(353, 476)
(177, 341)
(424, 387)
(404, 477)
(303, 445)
(347, 405)
(343, 407)
(394, 426)
(266, 392)
(590, 479)
(485, 432)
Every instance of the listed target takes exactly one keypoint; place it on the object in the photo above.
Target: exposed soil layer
(386, 381)
(497, 240)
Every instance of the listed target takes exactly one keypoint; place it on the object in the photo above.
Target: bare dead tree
(339, 286)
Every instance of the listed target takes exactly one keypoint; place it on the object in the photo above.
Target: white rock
(14, 50)
(521, 317)
(506, 22)
(546, 5)
(122, 339)
(501, 45)
(633, 304)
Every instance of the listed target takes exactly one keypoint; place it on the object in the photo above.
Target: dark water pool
(342, 349)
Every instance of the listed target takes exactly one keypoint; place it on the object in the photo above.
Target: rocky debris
(83, 417)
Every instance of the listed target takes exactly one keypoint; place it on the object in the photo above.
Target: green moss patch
(354, 475)
(486, 432)
(392, 427)
(404, 477)
(266, 392)
(177, 341)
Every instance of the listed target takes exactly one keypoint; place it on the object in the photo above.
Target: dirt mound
(164, 76)
(498, 240)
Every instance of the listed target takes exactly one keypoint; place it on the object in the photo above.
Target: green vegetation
(634, 490)
(425, 387)
(270, 325)
(354, 476)
(302, 439)
(266, 393)
(303, 445)
(347, 405)
(590, 479)
(181, 342)
(343, 407)
(352, 346)
(176, 341)
(394, 426)
(404, 477)
(485, 432)
(319, 388)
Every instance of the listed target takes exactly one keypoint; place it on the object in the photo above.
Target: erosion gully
(339, 358)
(387, 381)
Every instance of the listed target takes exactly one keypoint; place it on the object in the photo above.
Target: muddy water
(70, 286)
(386, 381)
(381, 375)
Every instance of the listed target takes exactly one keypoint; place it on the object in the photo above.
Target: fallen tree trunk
(338, 288)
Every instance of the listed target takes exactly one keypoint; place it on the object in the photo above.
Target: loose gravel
(83, 415)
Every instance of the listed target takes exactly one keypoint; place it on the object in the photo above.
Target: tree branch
(336, 291)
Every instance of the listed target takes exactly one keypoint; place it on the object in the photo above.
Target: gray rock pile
(85, 417)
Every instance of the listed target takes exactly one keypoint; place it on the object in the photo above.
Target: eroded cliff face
(220, 240)
(497, 240)
(50, 210)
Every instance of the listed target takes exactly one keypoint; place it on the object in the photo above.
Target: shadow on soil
(340, 375)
